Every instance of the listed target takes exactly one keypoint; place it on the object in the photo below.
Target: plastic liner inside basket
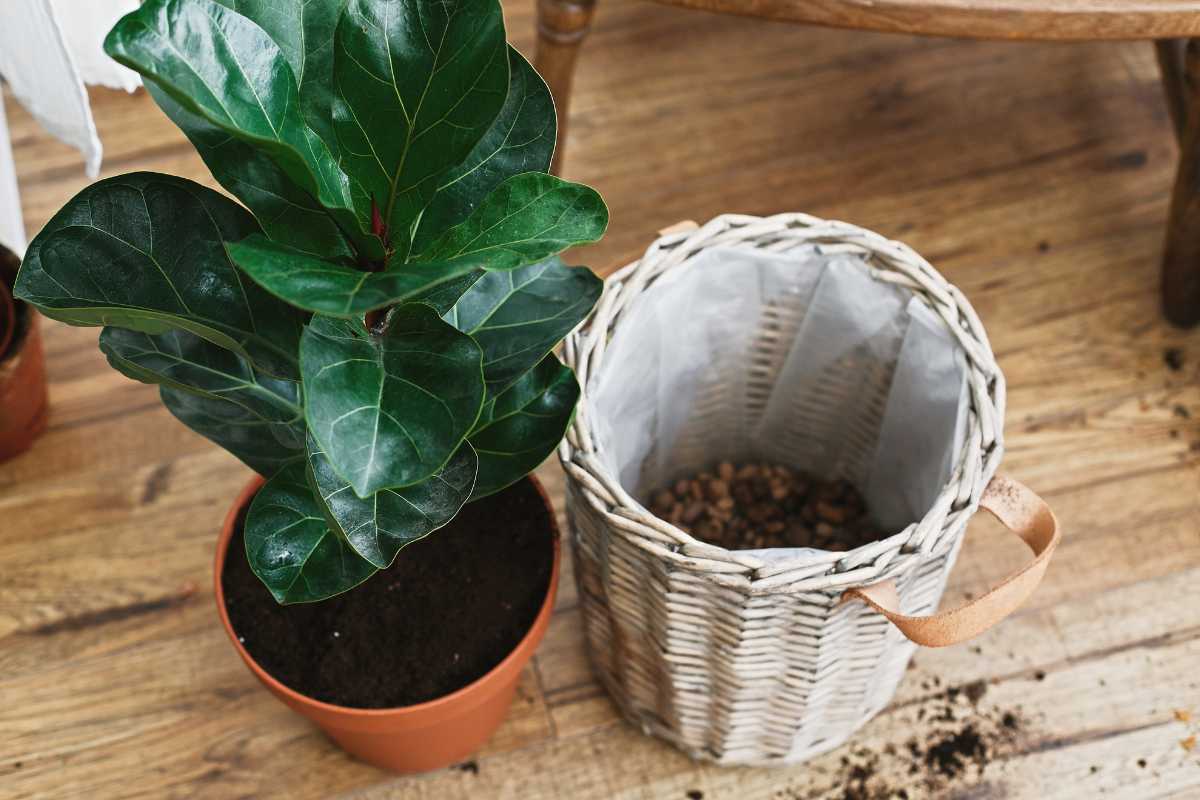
(804, 358)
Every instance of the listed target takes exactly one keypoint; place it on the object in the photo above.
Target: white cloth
(12, 227)
(84, 25)
(48, 48)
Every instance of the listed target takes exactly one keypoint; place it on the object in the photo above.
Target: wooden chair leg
(562, 26)
(1170, 66)
(1181, 257)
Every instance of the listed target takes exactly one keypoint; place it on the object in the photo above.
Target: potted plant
(22, 367)
(372, 333)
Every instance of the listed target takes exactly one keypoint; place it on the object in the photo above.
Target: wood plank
(985, 19)
(1105, 706)
(1034, 176)
(168, 698)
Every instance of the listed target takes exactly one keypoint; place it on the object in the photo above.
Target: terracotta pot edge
(24, 390)
(8, 334)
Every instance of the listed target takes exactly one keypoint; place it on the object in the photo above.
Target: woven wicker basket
(739, 659)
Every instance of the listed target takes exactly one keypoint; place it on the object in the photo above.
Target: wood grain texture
(1035, 176)
(980, 19)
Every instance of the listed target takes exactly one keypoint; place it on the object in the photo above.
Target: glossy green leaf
(521, 139)
(184, 361)
(518, 316)
(147, 252)
(380, 525)
(522, 426)
(261, 444)
(390, 410)
(291, 547)
(443, 298)
(526, 219)
(417, 83)
(303, 31)
(284, 210)
(333, 288)
(223, 67)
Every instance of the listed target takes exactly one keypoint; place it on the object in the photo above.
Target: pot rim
(8, 319)
(243, 499)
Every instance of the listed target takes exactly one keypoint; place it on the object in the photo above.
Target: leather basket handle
(1023, 513)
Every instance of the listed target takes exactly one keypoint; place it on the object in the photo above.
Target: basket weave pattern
(729, 657)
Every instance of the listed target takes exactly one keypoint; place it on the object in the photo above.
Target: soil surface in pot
(451, 607)
(752, 506)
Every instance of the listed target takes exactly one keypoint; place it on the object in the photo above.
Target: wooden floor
(1034, 176)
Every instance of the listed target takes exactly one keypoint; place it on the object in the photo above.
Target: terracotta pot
(8, 319)
(414, 738)
(22, 385)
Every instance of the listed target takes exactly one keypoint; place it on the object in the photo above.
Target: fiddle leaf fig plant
(371, 328)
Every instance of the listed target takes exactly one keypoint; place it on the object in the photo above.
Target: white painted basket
(740, 658)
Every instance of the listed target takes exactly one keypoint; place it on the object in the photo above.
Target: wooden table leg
(1181, 257)
(562, 26)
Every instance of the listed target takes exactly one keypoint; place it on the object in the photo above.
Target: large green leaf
(334, 288)
(380, 525)
(261, 444)
(184, 361)
(216, 393)
(390, 410)
(442, 298)
(147, 252)
(518, 316)
(283, 209)
(291, 547)
(222, 66)
(303, 30)
(417, 83)
(523, 425)
(521, 139)
(528, 218)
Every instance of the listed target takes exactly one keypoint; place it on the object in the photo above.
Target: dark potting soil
(451, 607)
(751, 506)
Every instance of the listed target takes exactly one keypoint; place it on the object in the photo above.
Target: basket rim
(941, 527)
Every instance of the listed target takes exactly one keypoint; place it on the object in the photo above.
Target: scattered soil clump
(957, 737)
(1173, 358)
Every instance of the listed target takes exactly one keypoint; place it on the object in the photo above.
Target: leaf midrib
(412, 123)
